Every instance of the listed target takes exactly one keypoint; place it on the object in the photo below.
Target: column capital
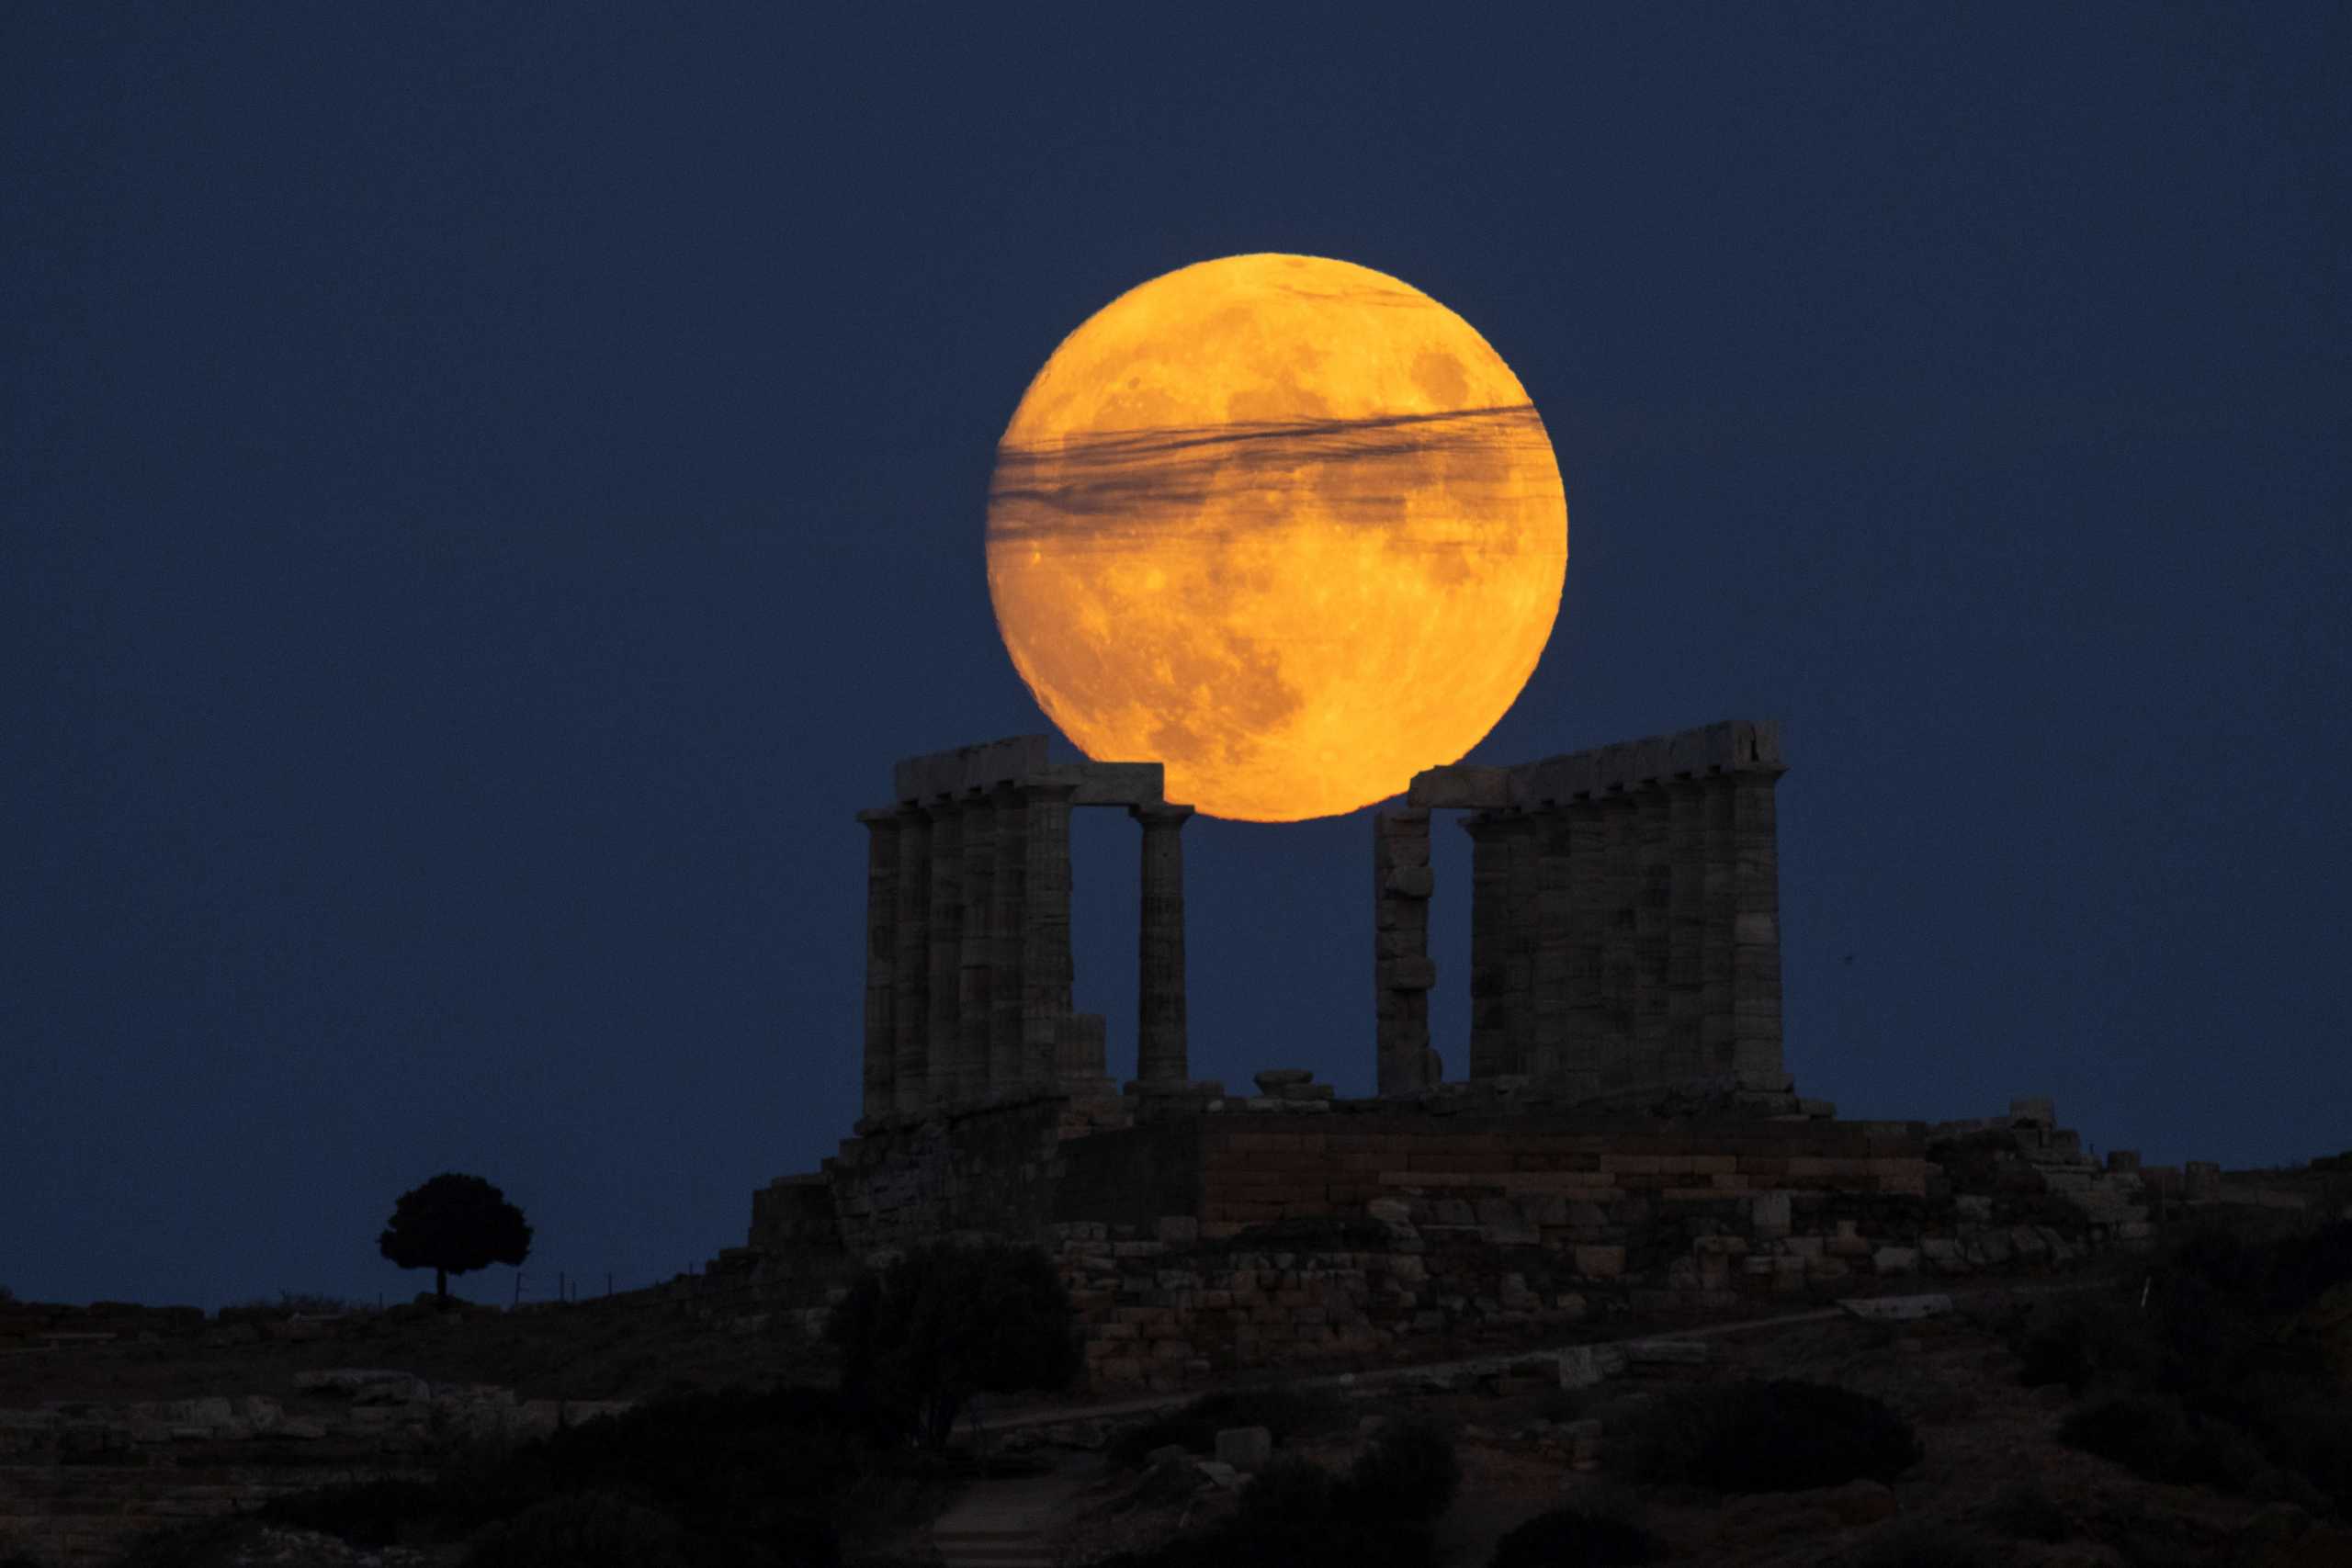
(878, 816)
(1161, 814)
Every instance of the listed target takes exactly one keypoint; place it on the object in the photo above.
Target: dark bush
(945, 1321)
(1922, 1545)
(1571, 1538)
(1290, 1488)
(1294, 1515)
(373, 1513)
(2213, 1373)
(1782, 1436)
(742, 1478)
(1283, 1409)
(2026, 1512)
(1408, 1475)
(2153, 1436)
(584, 1529)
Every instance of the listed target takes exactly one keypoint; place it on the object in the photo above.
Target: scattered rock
(351, 1379)
(1244, 1448)
(1223, 1476)
(1896, 1309)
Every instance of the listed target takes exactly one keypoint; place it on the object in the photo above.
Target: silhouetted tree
(944, 1322)
(454, 1225)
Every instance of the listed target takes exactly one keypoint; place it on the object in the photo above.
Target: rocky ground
(1993, 1475)
(580, 1351)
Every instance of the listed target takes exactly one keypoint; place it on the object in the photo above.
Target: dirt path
(1472, 1366)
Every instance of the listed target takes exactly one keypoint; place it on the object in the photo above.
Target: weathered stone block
(1414, 972)
(1601, 1262)
(1245, 1447)
(1410, 882)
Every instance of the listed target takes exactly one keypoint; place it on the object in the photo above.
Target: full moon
(1286, 524)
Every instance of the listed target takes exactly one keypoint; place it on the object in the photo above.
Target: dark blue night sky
(487, 491)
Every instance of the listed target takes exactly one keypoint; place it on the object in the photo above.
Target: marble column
(1620, 886)
(1006, 1064)
(1402, 971)
(1489, 940)
(1686, 922)
(976, 965)
(910, 974)
(1553, 935)
(1523, 921)
(1717, 901)
(1587, 933)
(1045, 935)
(1756, 933)
(1652, 909)
(1160, 1056)
(946, 950)
(881, 958)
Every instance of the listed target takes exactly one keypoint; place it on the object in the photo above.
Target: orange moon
(1286, 524)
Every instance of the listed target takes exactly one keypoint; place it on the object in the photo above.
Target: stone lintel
(1021, 759)
(1460, 786)
(967, 768)
(1735, 746)
(1110, 783)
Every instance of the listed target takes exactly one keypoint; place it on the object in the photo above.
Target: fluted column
(1044, 937)
(976, 965)
(1402, 971)
(1005, 904)
(1160, 1052)
(1718, 888)
(1587, 931)
(1619, 882)
(1489, 961)
(1522, 927)
(1686, 922)
(881, 1064)
(946, 950)
(1756, 933)
(1555, 917)
(910, 974)
(1652, 910)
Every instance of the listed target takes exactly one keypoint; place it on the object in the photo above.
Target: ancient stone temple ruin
(1624, 1137)
(1624, 916)
(968, 959)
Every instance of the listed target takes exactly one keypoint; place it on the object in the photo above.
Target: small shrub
(1296, 1515)
(1285, 1410)
(1780, 1436)
(945, 1321)
(1573, 1535)
(584, 1529)
(368, 1513)
(2153, 1436)
(2026, 1512)
(1290, 1488)
(1921, 1544)
(199, 1543)
(1409, 1475)
(2146, 1433)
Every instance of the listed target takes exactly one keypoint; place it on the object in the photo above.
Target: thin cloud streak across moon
(1128, 481)
(1284, 524)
